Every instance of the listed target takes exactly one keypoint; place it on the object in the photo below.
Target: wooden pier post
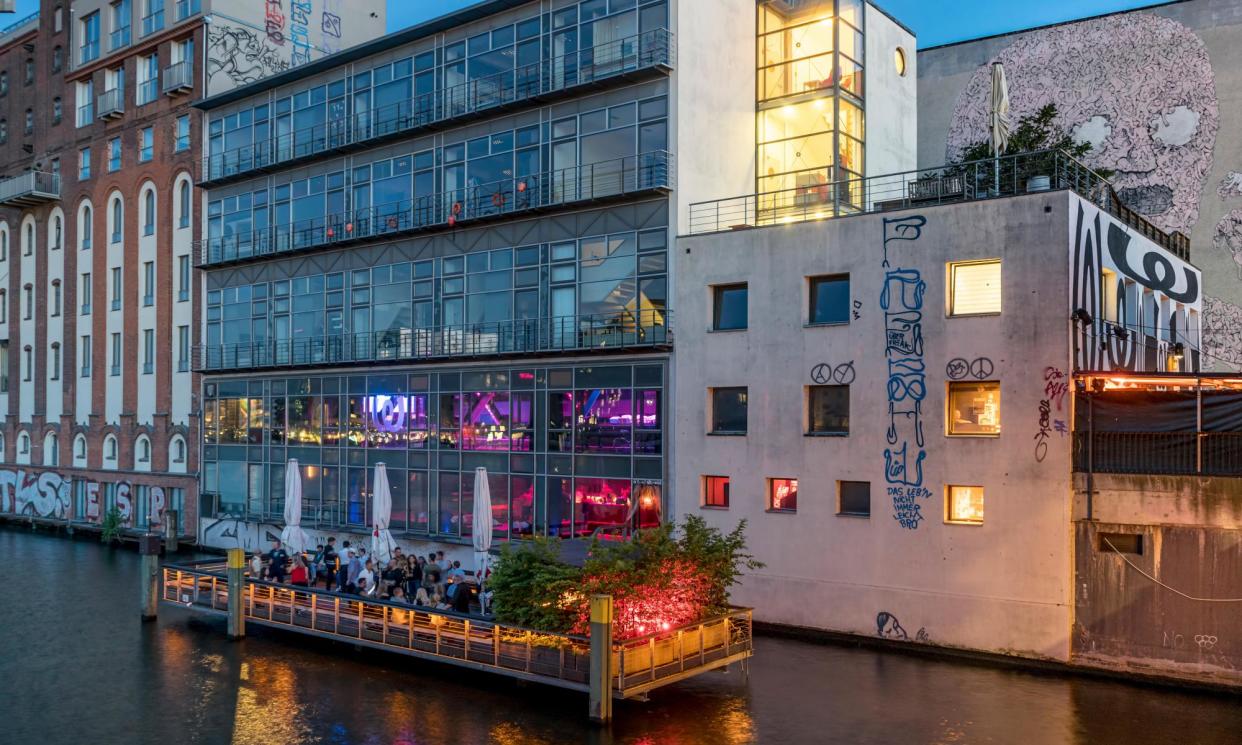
(601, 658)
(237, 591)
(149, 549)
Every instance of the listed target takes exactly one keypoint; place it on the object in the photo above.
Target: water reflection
(79, 666)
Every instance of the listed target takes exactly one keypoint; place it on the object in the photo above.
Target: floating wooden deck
(638, 665)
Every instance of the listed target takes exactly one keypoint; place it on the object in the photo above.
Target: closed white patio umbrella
(482, 529)
(382, 543)
(293, 536)
(1000, 117)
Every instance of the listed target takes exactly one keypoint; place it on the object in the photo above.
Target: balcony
(179, 78)
(88, 52)
(624, 331)
(606, 181)
(111, 104)
(29, 189)
(824, 196)
(118, 39)
(635, 57)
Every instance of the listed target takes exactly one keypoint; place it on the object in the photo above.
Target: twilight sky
(934, 21)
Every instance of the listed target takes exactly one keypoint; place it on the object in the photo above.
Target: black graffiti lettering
(1158, 272)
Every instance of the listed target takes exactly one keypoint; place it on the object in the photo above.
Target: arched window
(29, 121)
(4, 245)
(4, 131)
(28, 313)
(51, 449)
(55, 310)
(110, 452)
(57, 232)
(117, 215)
(29, 78)
(177, 454)
(23, 448)
(28, 249)
(79, 450)
(58, 56)
(142, 453)
(4, 306)
(148, 206)
(87, 227)
(184, 199)
(1, 447)
(54, 363)
(58, 110)
(27, 363)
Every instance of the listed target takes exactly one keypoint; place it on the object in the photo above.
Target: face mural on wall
(1137, 86)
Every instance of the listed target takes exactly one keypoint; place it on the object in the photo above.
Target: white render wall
(1003, 586)
(147, 314)
(54, 392)
(114, 321)
(182, 311)
(27, 244)
(891, 99)
(713, 109)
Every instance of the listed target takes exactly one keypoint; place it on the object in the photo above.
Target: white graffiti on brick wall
(34, 494)
(901, 301)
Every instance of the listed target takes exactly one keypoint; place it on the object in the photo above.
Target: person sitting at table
(421, 597)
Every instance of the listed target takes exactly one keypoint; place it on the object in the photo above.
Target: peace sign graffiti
(960, 369)
(842, 374)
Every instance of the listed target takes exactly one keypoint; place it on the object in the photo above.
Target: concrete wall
(891, 98)
(713, 107)
(1127, 615)
(248, 40)
(1003, 586)
(1156, 92)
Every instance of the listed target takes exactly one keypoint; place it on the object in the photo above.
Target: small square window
(828, 410)
(830, 299)
(975, 288)
(729, 307)
(974, 408)
(728, 415)
(1122, 543)
(854, 498)
(782, 495)
(716, 491)
(964, 504)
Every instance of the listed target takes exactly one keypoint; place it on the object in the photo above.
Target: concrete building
(449, 248)
(98, 215)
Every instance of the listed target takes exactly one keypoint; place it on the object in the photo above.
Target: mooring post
(237, 590)
(171, 518)
(149, 549)
(601, 658)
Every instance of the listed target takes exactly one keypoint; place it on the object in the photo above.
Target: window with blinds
(974, 288)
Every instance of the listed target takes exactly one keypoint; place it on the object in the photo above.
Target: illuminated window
(974, 408)
(854, 498)
(974, 288)
(783, 495)
(899, 59)
(728, 416)
(716, 491)
(964, 504)
(1108, 295)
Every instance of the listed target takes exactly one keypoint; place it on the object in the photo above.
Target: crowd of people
(433, 581)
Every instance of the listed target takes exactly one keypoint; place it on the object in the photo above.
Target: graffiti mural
(237, 56)
(1138, 87)
(888, 627)
(842, 374)
(1228, 237)
(901, 300)
(34, 494)
(1148, 323)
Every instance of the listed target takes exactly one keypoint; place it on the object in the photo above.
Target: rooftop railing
(30, 188)
(25, 23)
(621, 331)
(823, 196)
(610, 179)
(647, 51)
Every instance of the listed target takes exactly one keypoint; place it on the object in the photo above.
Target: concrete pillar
(171, 518)
(237, 591)
(149, 550)
(601, 658)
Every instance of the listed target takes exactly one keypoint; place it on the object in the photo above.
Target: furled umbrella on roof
(293, 536)
(382, 543)
(1000, 117)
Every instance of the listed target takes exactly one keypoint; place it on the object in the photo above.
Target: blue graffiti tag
(901, 299)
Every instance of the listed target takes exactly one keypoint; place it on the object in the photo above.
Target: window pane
(974, 408)
(830, 299)
(783, 495)
(828, 409)
(975, 288)
(715, 491)
(855, 498)
(965, 504)
(729, 410)
(730, 307)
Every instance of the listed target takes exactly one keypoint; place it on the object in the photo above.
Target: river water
(77, 665)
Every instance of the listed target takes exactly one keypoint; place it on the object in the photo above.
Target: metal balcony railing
(654, 171)
(31, 188)
(148, 91)
(822, 194)
(153, 22)
(625, 330)
(118, 38)
(111, 103)
(178, 77)
(648, 51)
(88, 52)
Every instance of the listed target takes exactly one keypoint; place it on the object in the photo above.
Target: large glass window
(974, 408)
(782, 495)
(716, 491)
(729, 307)
(975, 288)
(830, 299)
(828, 410)
(964, 504)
